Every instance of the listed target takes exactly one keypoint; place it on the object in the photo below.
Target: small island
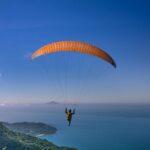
(52, 103)
(10, 140)
(31, 128)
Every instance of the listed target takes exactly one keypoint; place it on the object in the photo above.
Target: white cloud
(2, 104)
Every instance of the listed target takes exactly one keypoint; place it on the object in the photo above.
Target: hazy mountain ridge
(31, 128)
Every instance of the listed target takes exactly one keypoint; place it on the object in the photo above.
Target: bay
(98, 127)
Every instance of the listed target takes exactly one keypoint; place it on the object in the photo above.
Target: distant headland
(31, 128)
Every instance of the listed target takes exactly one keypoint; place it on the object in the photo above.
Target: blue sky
(122, 28)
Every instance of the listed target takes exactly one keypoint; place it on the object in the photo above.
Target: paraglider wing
(74, 46)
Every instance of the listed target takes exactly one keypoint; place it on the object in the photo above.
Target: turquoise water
(94, 127)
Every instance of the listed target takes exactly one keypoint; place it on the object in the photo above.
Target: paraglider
(73, 46)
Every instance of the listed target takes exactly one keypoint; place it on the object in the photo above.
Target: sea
(93, 127)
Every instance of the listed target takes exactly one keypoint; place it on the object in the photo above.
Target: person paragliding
(69, 114)
(73, 46)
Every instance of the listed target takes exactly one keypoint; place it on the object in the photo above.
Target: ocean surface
(94, 127)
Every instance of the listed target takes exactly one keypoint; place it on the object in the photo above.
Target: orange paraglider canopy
(74, 46)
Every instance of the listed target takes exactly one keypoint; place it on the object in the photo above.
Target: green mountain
(10, 140)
